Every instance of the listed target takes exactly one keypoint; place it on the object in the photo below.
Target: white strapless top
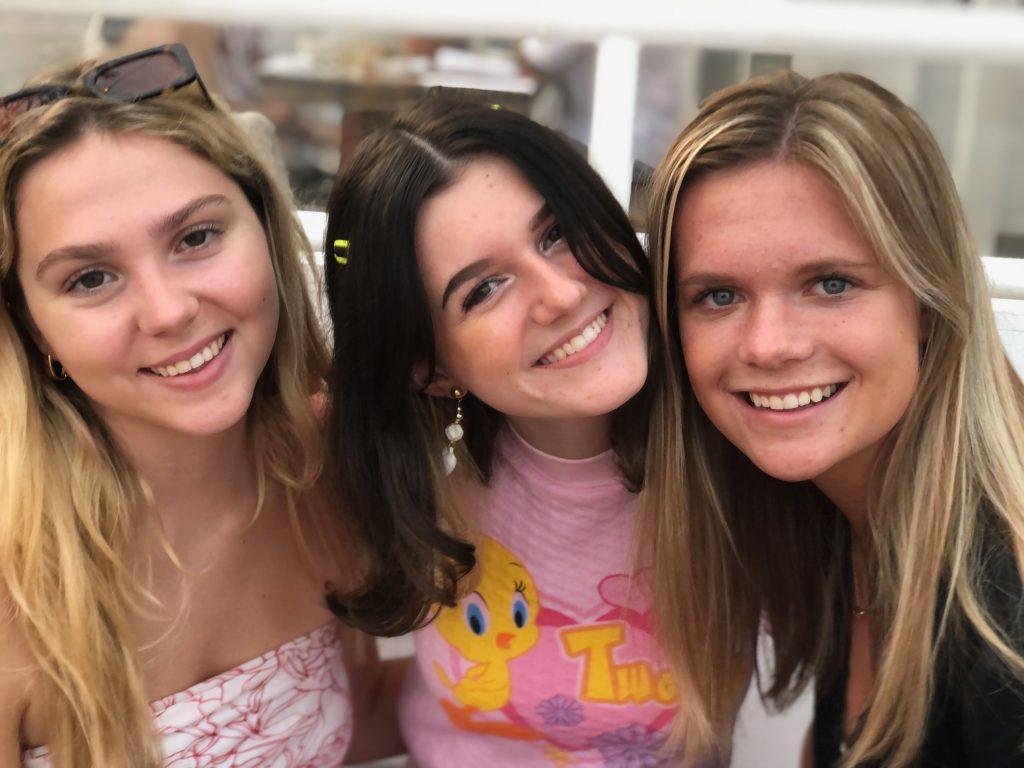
(289, 708)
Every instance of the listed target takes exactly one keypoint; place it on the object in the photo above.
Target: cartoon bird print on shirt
(495, 623)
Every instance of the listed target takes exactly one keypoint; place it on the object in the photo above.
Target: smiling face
(146, 273)
(802, 350)
(518, 322)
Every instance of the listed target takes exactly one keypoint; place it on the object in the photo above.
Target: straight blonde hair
(71, 506)
(729, 542)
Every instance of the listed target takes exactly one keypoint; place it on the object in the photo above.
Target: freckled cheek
(891, 359)
(480, 364)
(704, 355)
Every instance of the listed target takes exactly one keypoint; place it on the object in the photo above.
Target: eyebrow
(477, 267)
(811, 268)
(97, 250)
(540, 216)
(171, 222)
(74, 253)
(464, 275)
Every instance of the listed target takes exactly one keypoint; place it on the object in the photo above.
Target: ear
(440, 386)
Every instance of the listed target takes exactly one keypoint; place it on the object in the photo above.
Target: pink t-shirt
(551, 660)
(289, 708)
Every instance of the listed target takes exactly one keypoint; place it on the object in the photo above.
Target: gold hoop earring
(56, 370)
(453, 432)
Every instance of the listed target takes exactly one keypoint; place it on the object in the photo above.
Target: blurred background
(619, 80)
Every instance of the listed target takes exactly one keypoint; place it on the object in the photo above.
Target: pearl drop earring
(454, 433)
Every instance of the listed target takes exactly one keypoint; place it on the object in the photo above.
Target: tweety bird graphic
(495, 623)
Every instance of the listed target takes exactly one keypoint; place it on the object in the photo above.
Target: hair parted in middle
(729, 543)
(385, 433)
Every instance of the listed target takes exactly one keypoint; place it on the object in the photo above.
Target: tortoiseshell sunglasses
(135, 77)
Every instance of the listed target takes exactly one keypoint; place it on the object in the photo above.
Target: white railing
(981, 34)
(978, 34)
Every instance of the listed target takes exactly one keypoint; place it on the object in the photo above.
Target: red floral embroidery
(289, 708)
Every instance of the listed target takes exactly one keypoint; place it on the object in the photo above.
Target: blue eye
(834, 285)
(719, 297)
(519, 612)
(722, 298)
(475, 619)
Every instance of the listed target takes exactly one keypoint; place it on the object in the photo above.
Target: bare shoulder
(17, 669)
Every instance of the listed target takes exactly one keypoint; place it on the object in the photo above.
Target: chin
(617, 392)
(213, 422)
(786, 469)
(609, 400)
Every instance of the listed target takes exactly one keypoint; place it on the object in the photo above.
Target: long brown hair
(71, 506)
(729, 542)
(390, 472)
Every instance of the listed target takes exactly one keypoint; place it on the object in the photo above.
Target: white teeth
(792, 400)
(577, 343)
(198, 360)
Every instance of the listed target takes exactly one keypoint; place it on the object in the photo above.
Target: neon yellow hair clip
(495, 106)
(341, 245)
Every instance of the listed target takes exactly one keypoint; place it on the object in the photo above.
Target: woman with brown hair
(490, 354)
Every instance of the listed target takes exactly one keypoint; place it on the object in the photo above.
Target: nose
(559, 289)
(165, 303)
(775, 335)
(504, 640)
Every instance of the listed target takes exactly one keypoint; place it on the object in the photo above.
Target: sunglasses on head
(135, 77)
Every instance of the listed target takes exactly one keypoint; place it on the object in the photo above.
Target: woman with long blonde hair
(162, 556)
(837, 445)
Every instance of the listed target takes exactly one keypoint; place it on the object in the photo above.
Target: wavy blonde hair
(729, 542)
(71, 506)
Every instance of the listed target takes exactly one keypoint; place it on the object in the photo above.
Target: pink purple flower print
(560, 710)
(632, 746)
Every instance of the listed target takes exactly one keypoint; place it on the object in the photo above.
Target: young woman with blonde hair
(160, 450)
(838, 442)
